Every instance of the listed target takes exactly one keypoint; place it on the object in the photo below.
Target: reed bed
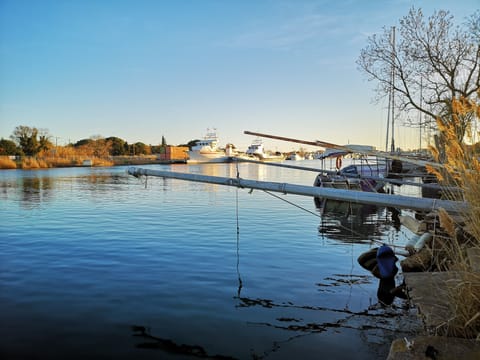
(7, 163)
(462, 168)
(51, 162)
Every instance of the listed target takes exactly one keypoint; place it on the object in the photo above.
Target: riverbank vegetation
(461, 245)
(31, 148)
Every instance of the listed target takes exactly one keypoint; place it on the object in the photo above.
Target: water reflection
(32, 188)
(373, 324)
(357, 223)
(169, 346)
(230, 170)
(155, 253)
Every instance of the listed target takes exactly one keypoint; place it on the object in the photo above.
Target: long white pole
(361, 197)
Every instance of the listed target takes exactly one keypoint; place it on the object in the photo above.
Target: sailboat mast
(388, 120)
(392, 91)
(420, 116)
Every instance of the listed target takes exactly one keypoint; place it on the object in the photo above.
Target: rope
(311, 212)
(356, 233)
(240, 283)
(291, 203)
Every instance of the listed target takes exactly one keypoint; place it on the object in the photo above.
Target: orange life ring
(338, 162)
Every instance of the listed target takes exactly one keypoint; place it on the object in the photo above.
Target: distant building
(174, 153)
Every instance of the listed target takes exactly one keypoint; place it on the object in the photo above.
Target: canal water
(97, 264)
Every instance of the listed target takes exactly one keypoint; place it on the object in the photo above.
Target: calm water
(89, 256)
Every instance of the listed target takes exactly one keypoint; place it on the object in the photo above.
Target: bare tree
(433, 62)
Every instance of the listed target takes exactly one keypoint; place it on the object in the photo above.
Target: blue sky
(142, 69)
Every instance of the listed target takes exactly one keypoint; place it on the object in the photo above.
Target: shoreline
(30, 163)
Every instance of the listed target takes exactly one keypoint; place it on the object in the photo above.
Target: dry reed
(29, 163)
(461, 168)
(7, 163)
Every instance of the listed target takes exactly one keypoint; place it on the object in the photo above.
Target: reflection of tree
(34, 190)
(167, 345)
(349, 222)
(36, 187)
(370, 321)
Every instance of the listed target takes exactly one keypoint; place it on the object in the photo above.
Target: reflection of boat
(346, 221)
(257, 151)
(207, 150)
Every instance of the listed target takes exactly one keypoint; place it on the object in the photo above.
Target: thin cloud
(293, 32)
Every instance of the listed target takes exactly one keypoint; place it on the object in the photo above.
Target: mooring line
(353, 232)
(291, 203)
(240, 283)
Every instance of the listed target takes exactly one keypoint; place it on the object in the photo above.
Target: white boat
(207, 150)
(363, 173)
(257, 151)
(295, 157)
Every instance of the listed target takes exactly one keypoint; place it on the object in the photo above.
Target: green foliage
(31, 141)
(157, 149)
(117, 146)
(83, 142)
(26, 138)
(140, 148)
(8, 147)
(44, 143)
(191, 143)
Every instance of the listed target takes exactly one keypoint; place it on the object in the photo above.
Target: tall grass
(461, 168)
(7, 163)
(41, 162)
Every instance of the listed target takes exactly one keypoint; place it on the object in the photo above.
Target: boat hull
(210, 157)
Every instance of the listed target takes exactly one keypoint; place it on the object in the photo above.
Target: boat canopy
(346, 149)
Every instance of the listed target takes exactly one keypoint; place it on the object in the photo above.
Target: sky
(143, 69)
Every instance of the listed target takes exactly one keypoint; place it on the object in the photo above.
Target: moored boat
(257, 151)
(207, 150)
(295, 157)
(363, 173)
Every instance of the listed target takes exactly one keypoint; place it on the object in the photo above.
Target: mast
(348, 149)
(392, 90)
(420, 116)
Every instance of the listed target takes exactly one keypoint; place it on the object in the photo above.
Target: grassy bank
(58, 162)
(27, 162)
